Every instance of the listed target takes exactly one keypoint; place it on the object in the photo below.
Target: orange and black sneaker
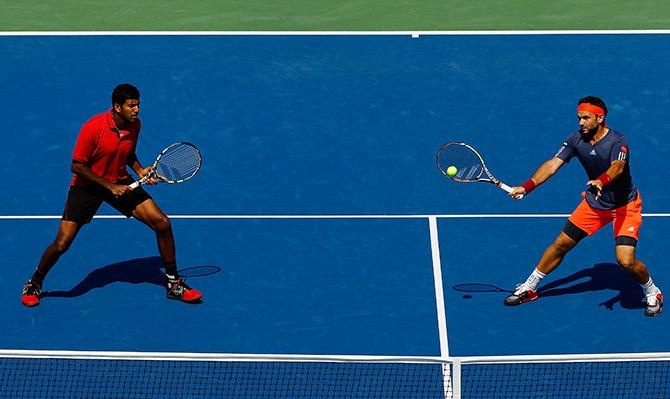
(179, 290)
(30, 296)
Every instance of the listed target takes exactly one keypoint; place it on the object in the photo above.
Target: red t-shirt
(101, 149)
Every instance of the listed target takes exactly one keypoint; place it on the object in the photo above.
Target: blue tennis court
(308, 230)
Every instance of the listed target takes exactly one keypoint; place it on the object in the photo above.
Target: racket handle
(508, 189)
(134, 185)
(505, 187)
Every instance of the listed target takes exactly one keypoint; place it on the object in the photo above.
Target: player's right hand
(119, 189)
(517, 193)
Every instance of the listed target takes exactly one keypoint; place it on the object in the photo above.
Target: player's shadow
(136, 271)
(603, 276)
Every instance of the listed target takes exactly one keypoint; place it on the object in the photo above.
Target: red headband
(594, 109)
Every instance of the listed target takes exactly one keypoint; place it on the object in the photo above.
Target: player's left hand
(152, 179)
(597, 184)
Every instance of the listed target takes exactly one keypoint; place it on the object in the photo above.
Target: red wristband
(529, 186)
(605, 179)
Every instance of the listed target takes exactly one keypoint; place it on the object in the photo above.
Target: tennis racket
(469, 165)
(175, 164)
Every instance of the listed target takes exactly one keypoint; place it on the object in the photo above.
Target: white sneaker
(654, 304)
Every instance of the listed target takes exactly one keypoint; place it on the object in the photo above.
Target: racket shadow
(479, 287)
(136, 271)
(601, 277)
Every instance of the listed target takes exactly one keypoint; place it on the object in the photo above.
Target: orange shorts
(627, 219)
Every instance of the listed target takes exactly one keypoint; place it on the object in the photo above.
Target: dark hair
(594, 101)
(123, 92)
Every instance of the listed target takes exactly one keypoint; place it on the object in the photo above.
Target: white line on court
(439, 292)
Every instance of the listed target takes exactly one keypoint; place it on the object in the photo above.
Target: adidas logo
(593, 152)
(631, 229)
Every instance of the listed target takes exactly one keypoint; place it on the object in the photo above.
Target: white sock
(534, 279)
(650, 288)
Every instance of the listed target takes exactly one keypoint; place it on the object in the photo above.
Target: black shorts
(83, 202)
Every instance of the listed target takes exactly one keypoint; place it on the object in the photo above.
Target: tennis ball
(451, 171)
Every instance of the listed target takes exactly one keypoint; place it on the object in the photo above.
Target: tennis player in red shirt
(611, 197)
(105, 146)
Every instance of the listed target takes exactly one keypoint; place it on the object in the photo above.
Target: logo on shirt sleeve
(560, 150)
(623, 153)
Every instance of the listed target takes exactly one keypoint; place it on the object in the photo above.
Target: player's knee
(162, 224)
(61, 245)
(626, 261)
(563, 246)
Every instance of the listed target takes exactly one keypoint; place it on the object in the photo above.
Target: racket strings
(178, 163)
(467, 162)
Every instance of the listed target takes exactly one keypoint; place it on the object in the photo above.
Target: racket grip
(134, 185)
(505, 187)
(508, 189)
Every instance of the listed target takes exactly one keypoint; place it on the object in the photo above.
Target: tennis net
(36, 374)
(68, 374)
(602, 376)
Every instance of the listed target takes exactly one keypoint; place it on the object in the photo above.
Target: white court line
(413, 34)
(439, 292)
(409, 216)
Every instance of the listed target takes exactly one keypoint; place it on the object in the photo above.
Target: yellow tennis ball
(451, 171)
